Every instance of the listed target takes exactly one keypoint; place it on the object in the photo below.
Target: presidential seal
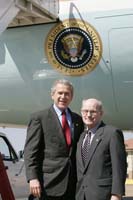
(73, 47)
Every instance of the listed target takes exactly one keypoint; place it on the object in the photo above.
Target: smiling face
(62, 96)
(91, 112)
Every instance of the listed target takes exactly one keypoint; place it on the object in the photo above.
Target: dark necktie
(86, 146)
(66, 129)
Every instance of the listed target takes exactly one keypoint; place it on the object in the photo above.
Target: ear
(52, 94)
(71, 98)
(102, 112)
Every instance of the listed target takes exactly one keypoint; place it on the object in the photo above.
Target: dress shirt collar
(93, 130)
(68, 116)
(58, 111)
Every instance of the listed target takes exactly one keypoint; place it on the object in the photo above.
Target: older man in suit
(101, 157)
(50, 147)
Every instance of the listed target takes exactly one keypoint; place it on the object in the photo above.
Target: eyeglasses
(92, 112)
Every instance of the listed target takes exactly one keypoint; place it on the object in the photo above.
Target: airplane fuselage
(26, 75)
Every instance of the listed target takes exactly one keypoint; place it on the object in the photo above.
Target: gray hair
(99, 104)
(63, 82)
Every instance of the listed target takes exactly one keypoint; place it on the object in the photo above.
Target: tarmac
(129, 191)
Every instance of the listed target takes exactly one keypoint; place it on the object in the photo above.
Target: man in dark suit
(101, 157)
(49, 154)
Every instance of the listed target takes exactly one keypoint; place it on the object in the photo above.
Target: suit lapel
(79, 149)
(75, 126)
(55, 125)
(95, 142)
(73, 129)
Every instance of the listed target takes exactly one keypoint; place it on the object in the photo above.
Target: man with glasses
(101, 157)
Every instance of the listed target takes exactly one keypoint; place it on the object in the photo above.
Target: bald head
(95, 102)
(92, 112)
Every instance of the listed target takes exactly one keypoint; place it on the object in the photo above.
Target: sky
(128, 135)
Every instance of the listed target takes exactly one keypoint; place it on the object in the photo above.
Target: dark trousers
(69, 195)
(64, 197)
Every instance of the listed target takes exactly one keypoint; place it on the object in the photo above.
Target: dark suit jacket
(46, 154)
(105, 171)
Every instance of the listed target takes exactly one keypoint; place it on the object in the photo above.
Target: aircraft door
(121, 57)
(15, 168)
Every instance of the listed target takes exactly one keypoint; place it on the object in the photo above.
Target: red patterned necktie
(66, 129)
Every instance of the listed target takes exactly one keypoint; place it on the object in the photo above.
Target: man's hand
(115, 197)
(35, 187)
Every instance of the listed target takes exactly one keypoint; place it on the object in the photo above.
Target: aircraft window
(6, 150)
